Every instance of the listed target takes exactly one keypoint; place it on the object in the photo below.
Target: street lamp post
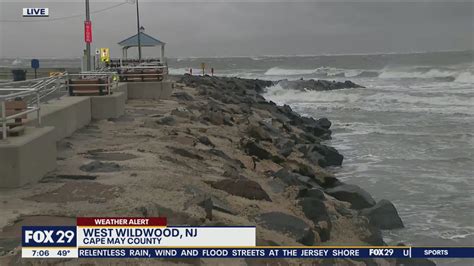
(138, 34)
(88, 45)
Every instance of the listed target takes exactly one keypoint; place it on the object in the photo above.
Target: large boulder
(318, 131)
(294, 179)
(384, 215)
(314, 193)
(316, 211)
(258, 132)
(229, 160)
(285, 146)
(215, 117)
(241, 187)
(182, 96)
(211, 203)
(288, 225)
(321, 154)
(316, 158)
(294, 118)
(331, 156)
(254, 149)
(324, 123)
(353, 194)
(206, 141)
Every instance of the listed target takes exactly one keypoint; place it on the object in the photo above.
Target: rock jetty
(317, 85)
(217, 153)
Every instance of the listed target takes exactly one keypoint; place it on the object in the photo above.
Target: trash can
(19, 74)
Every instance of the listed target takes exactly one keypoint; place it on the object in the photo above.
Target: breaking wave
(276, 71)
(178, 71)
(458, 75)
(465, 77)
(320, 71)
(446, 75)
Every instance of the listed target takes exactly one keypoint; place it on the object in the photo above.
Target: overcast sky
(242, 28)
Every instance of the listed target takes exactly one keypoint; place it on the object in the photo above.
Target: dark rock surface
(205, 140)
(316, 211)
(258, 132)
(317, 85)
(182, 112)
(358, 197)
(331, 156)
(324, 123)
(321, 154)
(294, 179)
(285, 146)
(183, 96)
(207, 205)
(234, 162)
(253, 148)
(167, 120)
(288, 224)
(314, 193)
(111, 156)
(100, 167)
(242, 187)
(154, 123)
(185, 153)
(384, 215)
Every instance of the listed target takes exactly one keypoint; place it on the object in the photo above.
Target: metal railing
(33, 91)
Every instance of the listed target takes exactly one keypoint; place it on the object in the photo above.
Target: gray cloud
(233, 28)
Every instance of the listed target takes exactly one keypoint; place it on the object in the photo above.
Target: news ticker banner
(125, 237)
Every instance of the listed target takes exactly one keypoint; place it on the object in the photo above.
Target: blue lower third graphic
(277, 252)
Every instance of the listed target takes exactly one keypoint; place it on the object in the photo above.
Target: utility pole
(138, 35)
(88, 45)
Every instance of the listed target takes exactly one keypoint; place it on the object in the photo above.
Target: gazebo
(145, 41)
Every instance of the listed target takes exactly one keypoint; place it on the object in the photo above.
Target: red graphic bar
(87, 31)
(121, 221)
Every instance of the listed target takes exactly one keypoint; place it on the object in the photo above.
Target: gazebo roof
(145, 40)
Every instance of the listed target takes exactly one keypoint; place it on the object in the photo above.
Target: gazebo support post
(162, 57)
(124, 52)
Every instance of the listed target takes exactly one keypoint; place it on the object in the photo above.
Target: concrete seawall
(108, 106)
(160, 90)
(29, 157)
(66, 115)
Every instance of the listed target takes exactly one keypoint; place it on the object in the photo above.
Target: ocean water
(407, 137)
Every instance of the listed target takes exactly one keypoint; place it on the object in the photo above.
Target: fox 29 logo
(49, 236)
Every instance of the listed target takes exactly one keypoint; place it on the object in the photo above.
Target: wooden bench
(81, 87)
(142, 75)
(15, 128)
